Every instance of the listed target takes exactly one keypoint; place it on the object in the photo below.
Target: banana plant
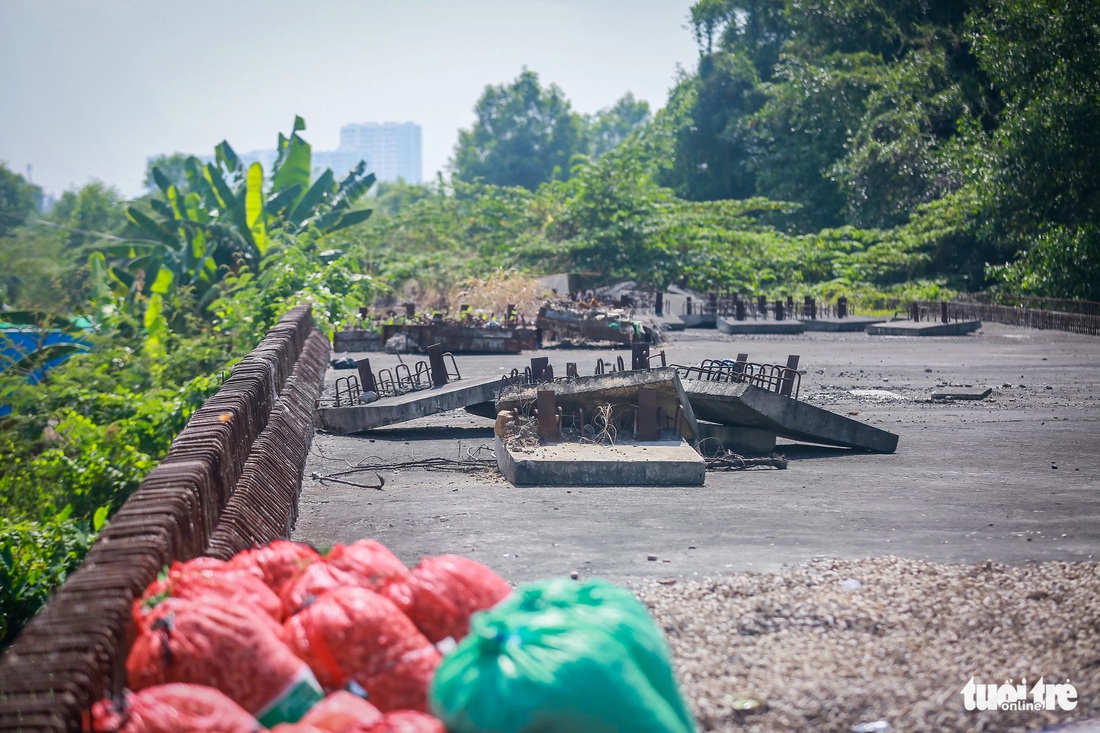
(232, 216)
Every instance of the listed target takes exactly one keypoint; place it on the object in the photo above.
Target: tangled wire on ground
(472, 463)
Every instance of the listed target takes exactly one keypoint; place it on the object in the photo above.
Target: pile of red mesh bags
(259, 641)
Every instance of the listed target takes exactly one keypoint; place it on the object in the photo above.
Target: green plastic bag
(563, 656)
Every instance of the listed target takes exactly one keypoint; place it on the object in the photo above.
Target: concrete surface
(1014, 478)
(924, 328)
(651, 463)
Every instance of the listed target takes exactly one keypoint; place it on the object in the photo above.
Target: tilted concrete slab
(651, 463)
(746, 405)
(409, 406)
(923, 328)
(589, 393)
(846, 324)
(735, 327)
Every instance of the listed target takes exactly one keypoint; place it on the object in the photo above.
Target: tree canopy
(524, 135)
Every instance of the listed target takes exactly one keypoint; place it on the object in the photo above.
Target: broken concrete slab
(649, 463)
(731, 403)
(589, 394)
(408, 406)
(923, 328)
(736, 438)
(962, 394)
(847, 324)
(735, 327)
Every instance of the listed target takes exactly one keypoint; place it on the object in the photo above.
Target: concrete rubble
(646, 425)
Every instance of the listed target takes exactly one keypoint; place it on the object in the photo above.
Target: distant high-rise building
(391, 149)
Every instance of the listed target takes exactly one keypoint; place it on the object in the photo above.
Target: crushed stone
(832, 645)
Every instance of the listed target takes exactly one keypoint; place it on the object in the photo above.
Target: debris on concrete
(578, 323)
(730, 461)
(961, 394)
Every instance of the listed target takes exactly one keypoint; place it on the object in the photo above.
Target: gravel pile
(833, 645)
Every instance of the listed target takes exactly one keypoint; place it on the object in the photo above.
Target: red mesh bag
(216, 642)
(313, 582)
(298, 727)
(428, 606)
(364, 564)
(408, 721)
(342, 712)
(208, 576)
(467, 584)
(170, 709)
(369, 561)
(277, 562)
(356, 634)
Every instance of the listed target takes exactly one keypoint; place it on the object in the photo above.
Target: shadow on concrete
(432, 433)
(802, 451)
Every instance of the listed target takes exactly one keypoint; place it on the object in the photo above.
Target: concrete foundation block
(923, 328)
(739, 328)
(656, 463)
(844, 325)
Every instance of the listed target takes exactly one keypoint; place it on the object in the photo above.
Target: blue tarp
(17, 342)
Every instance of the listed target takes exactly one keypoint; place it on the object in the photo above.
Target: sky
(89, 89)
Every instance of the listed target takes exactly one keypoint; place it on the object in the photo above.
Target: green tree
(524, 135)
(392, 197)
(89, 212)
(17, 199)
(173, 168)
(608, 128)
(1041, 183)
(708, 113)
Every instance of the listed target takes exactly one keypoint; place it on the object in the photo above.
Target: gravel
(836, 644)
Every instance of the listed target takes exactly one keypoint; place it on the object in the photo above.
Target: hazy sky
(91, 88)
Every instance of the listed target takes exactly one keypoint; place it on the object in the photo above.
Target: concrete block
(615, 388)
(699, 320)
(409, 406)
(358, 340)
(740, 328)
(737, 438)
(746, 405)
(835, 325)
(654, 463)
(923, 328)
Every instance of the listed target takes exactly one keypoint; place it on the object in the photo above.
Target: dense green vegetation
(177, 286)
(834, 147)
